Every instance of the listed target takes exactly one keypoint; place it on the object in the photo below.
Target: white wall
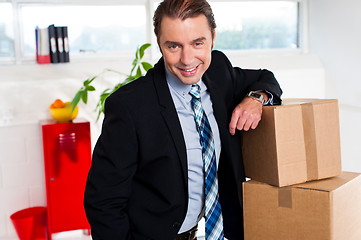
(335, 36)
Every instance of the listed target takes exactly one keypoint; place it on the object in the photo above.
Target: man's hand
(246, 115)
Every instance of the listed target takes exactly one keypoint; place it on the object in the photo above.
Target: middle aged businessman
(170, 148)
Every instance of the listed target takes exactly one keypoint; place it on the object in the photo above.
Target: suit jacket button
(176, 225)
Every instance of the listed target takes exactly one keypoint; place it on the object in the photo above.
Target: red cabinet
(67, 159)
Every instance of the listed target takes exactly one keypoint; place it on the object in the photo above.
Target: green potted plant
(136, 72)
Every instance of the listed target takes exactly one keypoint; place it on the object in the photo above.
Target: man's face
(186, 46)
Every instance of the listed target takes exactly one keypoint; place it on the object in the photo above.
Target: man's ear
(213, 38)
(160, 49)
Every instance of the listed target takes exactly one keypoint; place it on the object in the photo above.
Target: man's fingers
(243, 120)
(250, 123)
(233, 123)
(245, 116)
(246, 125)
(237, 121)
(255, 124)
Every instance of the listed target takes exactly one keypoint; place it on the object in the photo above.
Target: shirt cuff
(270, 97)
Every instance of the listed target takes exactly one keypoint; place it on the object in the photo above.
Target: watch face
(257, 95)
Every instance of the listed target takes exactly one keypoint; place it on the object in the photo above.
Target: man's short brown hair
(183, 9)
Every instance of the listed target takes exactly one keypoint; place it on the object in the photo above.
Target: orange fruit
(57, 104)
(64, 114)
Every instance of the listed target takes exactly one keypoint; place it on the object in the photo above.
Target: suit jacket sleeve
(246, 80)
(109, 181)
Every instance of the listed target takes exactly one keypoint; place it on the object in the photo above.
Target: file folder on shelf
(53, 44)
(42, 45)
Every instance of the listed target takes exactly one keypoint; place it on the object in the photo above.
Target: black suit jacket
(137, 185)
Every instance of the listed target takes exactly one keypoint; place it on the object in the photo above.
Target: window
(256, 25)
(90, 28)
(250, 25)
(7, 49)
(112, 26)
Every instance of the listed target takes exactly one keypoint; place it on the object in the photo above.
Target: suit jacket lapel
(220, 112)
(221, 115)
(170, 115)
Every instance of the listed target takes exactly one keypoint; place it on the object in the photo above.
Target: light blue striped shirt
(182, 102)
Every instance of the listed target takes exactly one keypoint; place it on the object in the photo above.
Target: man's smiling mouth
(190, 71)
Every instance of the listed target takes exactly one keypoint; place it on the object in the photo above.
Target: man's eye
(173, 46)
(197, 44)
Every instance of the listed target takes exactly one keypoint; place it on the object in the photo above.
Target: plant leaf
(143, 48)
(137, 53)
(90, 88)
(115, 71)
(88, 81)
(137, 65)
(105, 91)
(135, 62)
(139, 73)
(75, 100)
(93, 79)
(146, 66)
(84, 97)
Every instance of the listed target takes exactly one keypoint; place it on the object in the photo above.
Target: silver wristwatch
(256, 95)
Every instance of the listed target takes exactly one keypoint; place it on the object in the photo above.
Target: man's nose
(187, 55)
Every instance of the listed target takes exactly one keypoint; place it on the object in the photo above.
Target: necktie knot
(195, 91)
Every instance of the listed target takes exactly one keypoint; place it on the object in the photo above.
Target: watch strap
(257, 96)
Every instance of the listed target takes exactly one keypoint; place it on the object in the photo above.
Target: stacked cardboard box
(327, 209)
(298, 191)
(294, 142)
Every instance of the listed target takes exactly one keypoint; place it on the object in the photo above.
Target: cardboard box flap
(256, 182)
(326, 185)
(295, 101)
(329, 184)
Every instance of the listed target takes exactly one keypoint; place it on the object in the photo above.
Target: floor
(71, 235)
(81, 235)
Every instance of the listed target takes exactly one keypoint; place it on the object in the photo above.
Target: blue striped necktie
(213, 213)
